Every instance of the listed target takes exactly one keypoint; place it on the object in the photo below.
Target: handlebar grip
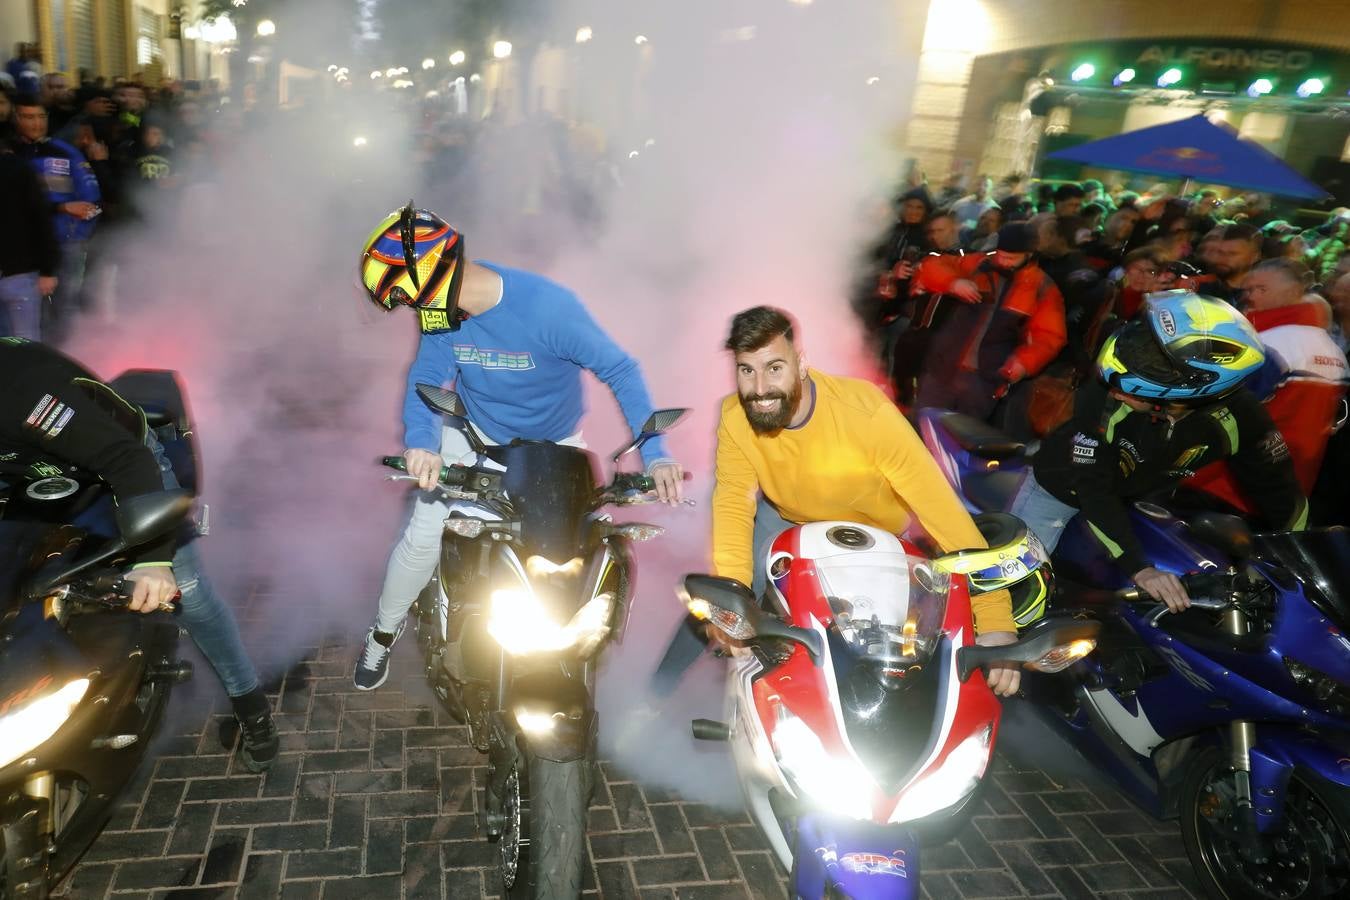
(453, 475)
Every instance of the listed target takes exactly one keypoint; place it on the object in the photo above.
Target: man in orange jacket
(1304, 379)
(1007, 324)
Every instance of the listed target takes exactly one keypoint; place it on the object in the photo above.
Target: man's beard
(775, 420)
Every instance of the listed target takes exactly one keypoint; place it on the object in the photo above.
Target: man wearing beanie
(1007, 324)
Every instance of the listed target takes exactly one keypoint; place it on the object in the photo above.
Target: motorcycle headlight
(833, 784)
(958, 775)
(522, 625)
(28, 726)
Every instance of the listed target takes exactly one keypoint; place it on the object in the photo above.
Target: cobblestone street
(375, 795)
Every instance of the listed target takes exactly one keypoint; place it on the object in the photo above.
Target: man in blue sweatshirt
(513, 344)
(72, 191)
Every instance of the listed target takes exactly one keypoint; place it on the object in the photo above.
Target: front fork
(1241, 740)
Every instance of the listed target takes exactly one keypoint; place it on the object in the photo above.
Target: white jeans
(413, 561)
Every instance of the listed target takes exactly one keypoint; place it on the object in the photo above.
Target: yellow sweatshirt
(855, 458)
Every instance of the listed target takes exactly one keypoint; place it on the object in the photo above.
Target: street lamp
(584, 34)
(501, 49)
(267, 28)
(457, 58)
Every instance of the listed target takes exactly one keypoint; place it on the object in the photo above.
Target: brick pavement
(375, 793)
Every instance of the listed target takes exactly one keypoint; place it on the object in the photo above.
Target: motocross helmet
(1015, 561)
(414, 258)
(1185, 349)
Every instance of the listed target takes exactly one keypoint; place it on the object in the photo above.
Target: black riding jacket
(1109, 454)
(53, 411)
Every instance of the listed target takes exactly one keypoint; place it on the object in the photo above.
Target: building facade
(995, 83)
(112, 38)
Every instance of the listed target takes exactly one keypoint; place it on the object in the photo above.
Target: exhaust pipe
(710, 730)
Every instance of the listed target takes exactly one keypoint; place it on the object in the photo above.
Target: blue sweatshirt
(67, 177)
(517, 367)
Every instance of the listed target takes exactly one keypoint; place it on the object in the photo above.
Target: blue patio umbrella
(1198, 150)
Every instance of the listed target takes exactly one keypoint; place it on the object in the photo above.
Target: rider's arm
(58, 420)
(577, 337)
(915, 477)
(1091, 475)
(435, 364)
(1263, 468)
(733, 503)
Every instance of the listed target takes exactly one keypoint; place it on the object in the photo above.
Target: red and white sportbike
(856, 714)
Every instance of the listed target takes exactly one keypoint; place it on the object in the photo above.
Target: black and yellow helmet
(1015, 561)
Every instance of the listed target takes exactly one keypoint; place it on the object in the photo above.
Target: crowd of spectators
(994, 301)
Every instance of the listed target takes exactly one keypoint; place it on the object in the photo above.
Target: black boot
(257, 731)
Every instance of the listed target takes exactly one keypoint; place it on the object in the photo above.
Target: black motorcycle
(82, 686)
(534, 581)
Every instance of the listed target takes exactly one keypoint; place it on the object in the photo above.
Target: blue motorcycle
(1233, 716)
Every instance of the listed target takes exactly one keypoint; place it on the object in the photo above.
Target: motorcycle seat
(992, 491)
(980, 438)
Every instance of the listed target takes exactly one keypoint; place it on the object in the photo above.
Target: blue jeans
(1045, 515)
(688, 642)
(20, 306)
(208, 621)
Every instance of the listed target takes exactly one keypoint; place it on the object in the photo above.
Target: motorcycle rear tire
(1316, 809)
(22, 842)
(552, 859)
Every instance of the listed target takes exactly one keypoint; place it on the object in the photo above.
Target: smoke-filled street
(867, 449)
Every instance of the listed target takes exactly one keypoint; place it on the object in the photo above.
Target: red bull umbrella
(1195, 149)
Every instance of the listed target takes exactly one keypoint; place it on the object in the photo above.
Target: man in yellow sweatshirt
(823, 447)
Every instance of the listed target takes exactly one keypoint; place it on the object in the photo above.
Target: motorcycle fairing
(857, 858)
(812, 692)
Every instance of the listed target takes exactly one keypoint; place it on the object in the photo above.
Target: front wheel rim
(1308, 850)
(513, 840)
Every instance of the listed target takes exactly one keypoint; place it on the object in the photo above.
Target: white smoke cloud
(759, 144)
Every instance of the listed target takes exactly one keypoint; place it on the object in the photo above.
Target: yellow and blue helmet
(1015, 561)
(1185, 349)
(414, 258)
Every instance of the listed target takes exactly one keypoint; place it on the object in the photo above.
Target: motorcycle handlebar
(451, 476)
(1206, 590)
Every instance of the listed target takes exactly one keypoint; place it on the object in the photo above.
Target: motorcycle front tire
(1316, 820)
(24, 861)
(551, 862)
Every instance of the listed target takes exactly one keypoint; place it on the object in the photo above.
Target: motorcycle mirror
(1227, 534)
(657, 424)
(140, 520)
(449, 403)
(730, 606)
(1039, 643)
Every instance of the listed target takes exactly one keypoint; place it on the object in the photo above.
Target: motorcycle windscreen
(888, 611)
(552, 488)
(1317, 558)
